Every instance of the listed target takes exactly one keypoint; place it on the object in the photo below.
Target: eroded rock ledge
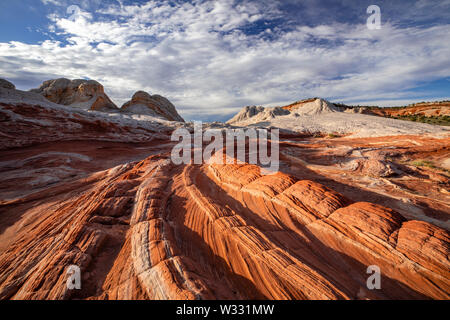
(152, 230)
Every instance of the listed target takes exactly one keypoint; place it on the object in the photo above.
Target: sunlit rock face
(79, 93)
(100, 192)
(152, 105)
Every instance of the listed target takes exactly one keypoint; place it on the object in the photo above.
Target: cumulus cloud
(213, 57)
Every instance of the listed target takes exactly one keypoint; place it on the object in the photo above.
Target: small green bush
(423, 163)
(436, 120)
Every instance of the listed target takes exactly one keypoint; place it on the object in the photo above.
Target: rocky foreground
(99, 191)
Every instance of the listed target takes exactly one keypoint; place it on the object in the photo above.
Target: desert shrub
(423, 163)
(436, 120)
(332, 135)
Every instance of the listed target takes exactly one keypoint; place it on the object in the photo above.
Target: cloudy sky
(210, 58)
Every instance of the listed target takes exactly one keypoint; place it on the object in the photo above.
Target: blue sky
(210, 58)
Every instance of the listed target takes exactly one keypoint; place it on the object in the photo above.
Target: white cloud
(198, 56)
(53, 2)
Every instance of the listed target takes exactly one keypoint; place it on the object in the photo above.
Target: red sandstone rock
(79, 190)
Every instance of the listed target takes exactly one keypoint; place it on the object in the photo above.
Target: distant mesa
(319, 116)
(421, 109)
(151, 105)
(78, 93)
(6, 84)
(308, 107)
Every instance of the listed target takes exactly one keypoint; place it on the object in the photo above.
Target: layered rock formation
(312, 107)
(6, 84)
(90, 95)
(101, 193)
(152, 105)
(28, 118)
(426, 109)
(257, 114)
(246, 113)
(151, 230)
(79, 93)
(318, 116)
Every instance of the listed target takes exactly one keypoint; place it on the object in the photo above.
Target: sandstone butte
(90, 95)
(153, 105)
(78, 188)
(85, 94)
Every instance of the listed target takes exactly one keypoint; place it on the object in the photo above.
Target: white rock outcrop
(258, 113)
(320, 116)
(78, 93)
(312, 108)
(151, 105)
(6, 84)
